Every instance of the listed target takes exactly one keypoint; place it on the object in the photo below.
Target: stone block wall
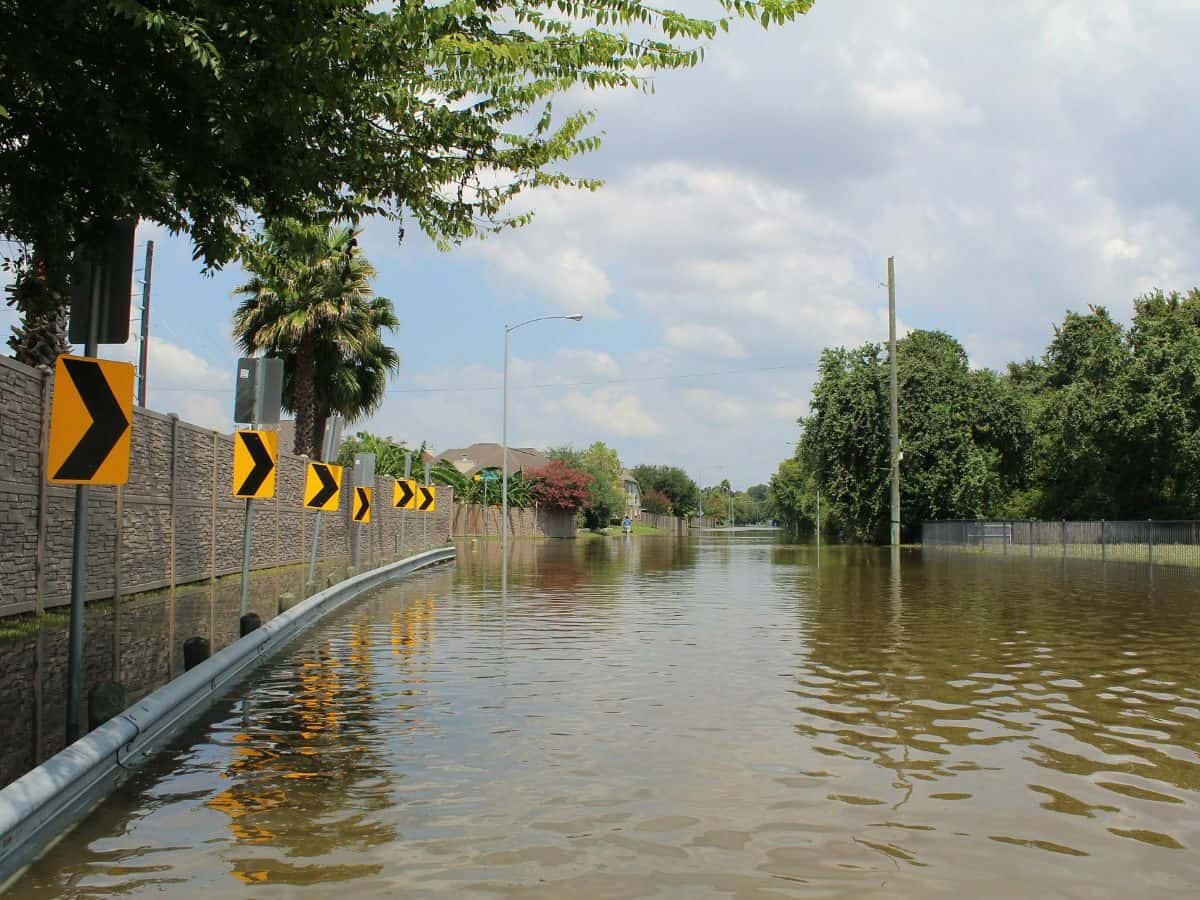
(177, 520)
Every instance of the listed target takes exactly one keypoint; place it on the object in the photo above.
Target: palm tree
(352, 386)
(309, 301)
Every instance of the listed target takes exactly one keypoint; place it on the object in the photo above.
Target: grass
(1163, 555)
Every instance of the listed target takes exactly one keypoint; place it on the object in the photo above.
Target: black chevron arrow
(263, 464)
(329, 487)
(426, 498)
(108, 421)
(364, 504)
(405, 495)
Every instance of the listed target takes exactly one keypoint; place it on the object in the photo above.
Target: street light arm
(576, 318)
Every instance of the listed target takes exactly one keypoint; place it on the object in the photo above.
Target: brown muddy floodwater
(713, 717)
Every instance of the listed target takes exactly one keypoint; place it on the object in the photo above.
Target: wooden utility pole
(895, 429)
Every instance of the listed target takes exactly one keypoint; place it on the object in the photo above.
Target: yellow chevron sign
(323, 486)
(254, 456)
(362, 504)
(404, 494)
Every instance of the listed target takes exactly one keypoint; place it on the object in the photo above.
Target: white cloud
(915, 101)
(591, 362)
(612, 412)
(564, 275)
(718, 406)
(706, 339)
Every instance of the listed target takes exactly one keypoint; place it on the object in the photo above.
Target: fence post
(1150, 540)
(1103, 543)
(1031, 538)
(1064, 538)
(171, 549)
(1004, 536)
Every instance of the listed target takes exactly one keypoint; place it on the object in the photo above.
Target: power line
(549, 384)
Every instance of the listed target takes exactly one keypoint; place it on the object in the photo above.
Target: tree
(656, 502)
(606, 499)
(350, 385)
(202, 114)
(673, 482)
(389, 453)
(965, 436)
(793, 495)
(309, 301)
(559, 486)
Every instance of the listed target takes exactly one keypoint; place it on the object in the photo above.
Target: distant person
(627, 525)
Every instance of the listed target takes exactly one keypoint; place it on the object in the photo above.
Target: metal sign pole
(425, 519)
(404, 512)
(326, 452)
(79, 544)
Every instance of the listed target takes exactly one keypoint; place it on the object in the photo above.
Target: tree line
(1104, 424)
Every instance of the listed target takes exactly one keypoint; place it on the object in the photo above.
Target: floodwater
(721, 716)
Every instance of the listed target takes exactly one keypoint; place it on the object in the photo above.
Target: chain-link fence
(1150, 541)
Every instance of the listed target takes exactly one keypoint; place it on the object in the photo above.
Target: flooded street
(721, 716)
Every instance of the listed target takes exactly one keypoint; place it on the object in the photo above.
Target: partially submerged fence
(1174, 542)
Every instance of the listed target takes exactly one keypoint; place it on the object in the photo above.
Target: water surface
(713, 717)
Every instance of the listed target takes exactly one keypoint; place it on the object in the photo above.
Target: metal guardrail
(40, 807)
(1151, 541)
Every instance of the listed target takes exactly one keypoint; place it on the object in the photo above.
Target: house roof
(476, 457)
(626, 475)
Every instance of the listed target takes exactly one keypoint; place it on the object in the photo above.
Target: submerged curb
(41, 806)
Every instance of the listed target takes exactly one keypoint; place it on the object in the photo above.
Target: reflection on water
(715, 717)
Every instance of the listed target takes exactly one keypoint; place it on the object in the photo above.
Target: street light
(508, 329)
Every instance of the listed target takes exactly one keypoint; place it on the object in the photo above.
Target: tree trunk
(320, 423)
(305, 397)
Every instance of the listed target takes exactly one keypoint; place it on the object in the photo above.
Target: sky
(1017, 159)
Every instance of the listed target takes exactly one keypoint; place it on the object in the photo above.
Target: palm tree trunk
(41, 335)
(305, 397)
(320, 423)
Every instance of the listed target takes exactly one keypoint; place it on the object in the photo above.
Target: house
(477, 457)
(633, 494)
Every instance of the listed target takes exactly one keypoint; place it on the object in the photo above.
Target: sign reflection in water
(707, 717)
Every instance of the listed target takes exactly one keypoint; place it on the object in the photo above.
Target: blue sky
(1017, 159)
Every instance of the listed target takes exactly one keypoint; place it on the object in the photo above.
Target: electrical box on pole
(102, 276)
(258, 391)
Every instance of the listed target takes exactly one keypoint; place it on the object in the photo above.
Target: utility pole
(895, 429)
(144, 333)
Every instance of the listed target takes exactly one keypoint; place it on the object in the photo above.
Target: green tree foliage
(1106, 424)
(793, 494)
(389, 454)
(963, 433)
(309, 301)
(674, 483)
(1117, 413)
(202, 114)
(606, 496)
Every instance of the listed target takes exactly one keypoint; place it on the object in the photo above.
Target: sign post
(404, 498)
(364, 483)
(256, 401)
(333, 440)
(101, 285)
(424, 521)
